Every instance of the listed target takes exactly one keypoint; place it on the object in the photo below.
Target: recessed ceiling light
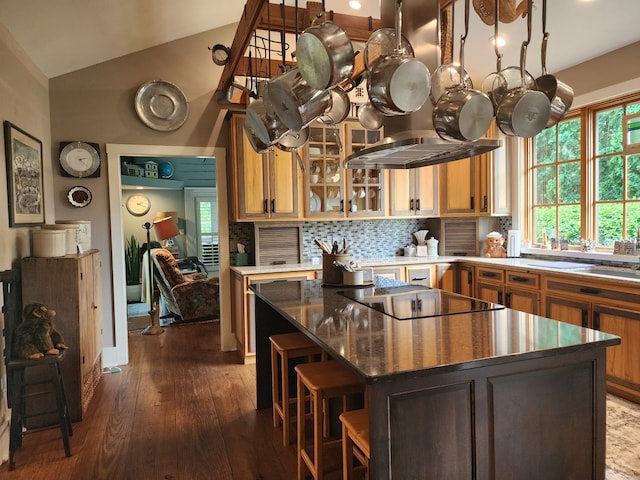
(355, 4)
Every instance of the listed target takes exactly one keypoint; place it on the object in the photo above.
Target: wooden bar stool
(19, 388)
(288, 346)
(355, 442)
(324, 381)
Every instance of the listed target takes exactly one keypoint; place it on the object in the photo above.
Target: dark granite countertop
(379, 346)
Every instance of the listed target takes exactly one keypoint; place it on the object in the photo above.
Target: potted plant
(133, 267)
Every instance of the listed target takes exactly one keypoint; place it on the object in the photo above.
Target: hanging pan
(494, 84)
(324, 55)
(293, 142)
(398, 84)
(448, 74)
(296, 103)
(523, 112)
(559, 94)
(463, 113)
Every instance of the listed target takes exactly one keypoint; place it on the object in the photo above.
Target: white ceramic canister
(432, 247)
(71, 236)
(84, 232)
(48, 243)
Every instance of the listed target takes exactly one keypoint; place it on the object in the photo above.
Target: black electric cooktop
(416, 301)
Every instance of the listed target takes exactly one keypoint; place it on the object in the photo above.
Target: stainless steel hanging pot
(463, 113)
(324, 55)
(523, 112)
(293, 142)
(268, 128)
(559, 94)
(398, 84)
(291, 99)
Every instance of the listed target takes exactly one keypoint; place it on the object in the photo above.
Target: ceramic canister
(432, 247)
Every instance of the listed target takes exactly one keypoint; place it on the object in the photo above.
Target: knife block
(332, 275)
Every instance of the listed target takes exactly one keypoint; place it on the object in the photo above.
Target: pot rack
(263, 15)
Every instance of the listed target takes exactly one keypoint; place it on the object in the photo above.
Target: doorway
(118, 353)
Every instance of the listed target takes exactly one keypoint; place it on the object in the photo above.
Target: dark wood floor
(181, 409)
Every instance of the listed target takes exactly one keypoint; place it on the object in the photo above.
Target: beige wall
(96, 104)
(24, 101)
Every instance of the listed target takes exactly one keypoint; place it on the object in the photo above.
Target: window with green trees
(583, 189)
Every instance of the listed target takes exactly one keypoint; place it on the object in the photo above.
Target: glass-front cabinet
(365, 187)
(325, 174)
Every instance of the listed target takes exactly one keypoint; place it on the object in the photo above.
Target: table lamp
(166, 228)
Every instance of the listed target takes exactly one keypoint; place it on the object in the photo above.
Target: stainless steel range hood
(411, 140)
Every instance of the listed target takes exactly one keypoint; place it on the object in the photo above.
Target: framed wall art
(24, 177)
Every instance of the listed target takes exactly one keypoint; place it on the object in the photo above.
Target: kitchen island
(495, 394)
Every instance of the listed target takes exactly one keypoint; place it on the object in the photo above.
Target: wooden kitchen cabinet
(519, 290)
(479, 185)
(610, 308)
(422, 275)
(465, 280)
(458, 187)
(265, 185)
(72, 286)
(242, 305)
(414, 191)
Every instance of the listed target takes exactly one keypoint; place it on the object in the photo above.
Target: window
(557, 176)
(207, 231)
(587, 189)
(616, 177)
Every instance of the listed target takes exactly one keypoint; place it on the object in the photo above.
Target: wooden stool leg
(16, 385)
(275, 394)
(286, 405)
(62, 407)
(318, 434)
(347, 455)
(301, 427)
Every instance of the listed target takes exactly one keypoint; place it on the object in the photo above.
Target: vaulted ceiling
(65, 35)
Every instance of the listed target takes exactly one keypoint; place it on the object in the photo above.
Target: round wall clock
(79, 196)
(79, 159)
(138, 204)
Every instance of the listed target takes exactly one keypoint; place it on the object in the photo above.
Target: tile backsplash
(368, 238)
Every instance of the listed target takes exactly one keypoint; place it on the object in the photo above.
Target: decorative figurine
(494, 248)
(36, 336)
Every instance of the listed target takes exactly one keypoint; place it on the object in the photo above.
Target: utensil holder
(353, 278)
(331, 274)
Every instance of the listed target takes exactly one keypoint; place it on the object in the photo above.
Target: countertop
(575, 268)
(379, 346)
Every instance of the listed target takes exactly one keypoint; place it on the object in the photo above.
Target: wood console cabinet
(514, 289)
(72, 286)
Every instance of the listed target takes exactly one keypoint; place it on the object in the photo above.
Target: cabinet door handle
(508, 298)
(273, 206)
(411, 204)
(488, 274)
(418, 204)
(519, 279)
(351, 205)
(473, 203)
(485, 202)
(266, 206)
(342, 205)
(500, 297)
(596, 320)
(469, 278)
(585, 317)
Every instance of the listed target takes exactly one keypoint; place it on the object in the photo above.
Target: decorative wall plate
(161, 105)
(79, 196)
